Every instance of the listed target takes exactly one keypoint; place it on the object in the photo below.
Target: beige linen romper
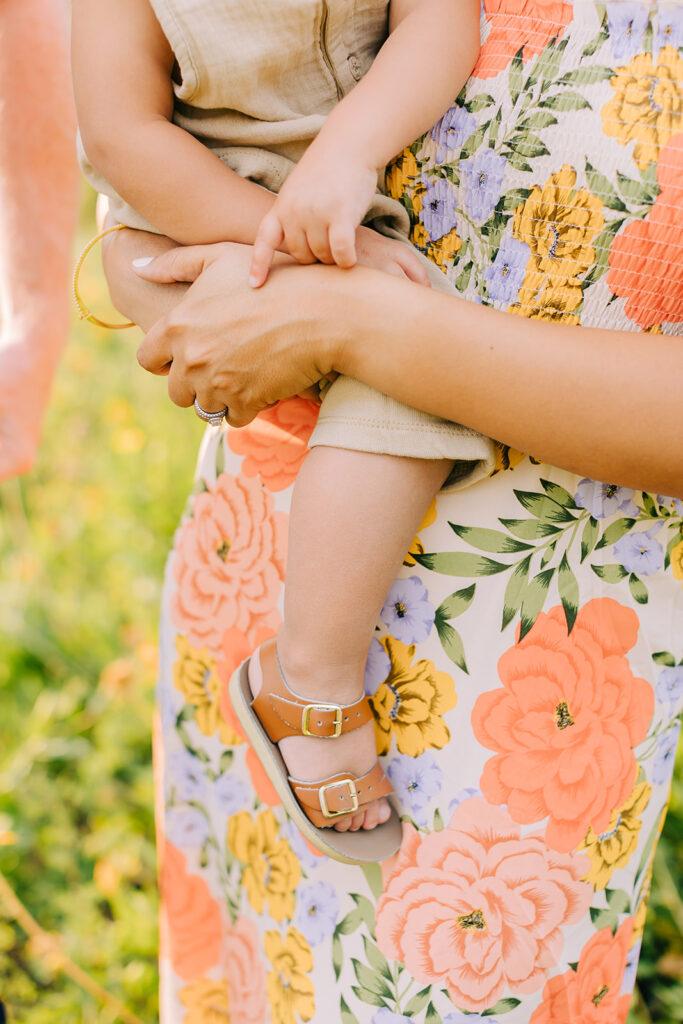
(256, 80)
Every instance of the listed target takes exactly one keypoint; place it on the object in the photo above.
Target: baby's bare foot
(311, 759)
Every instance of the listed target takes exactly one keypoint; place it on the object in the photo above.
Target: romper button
(355, 67)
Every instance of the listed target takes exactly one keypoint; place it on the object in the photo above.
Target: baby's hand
(316, 213)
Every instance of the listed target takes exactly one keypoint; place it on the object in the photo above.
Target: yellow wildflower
(614, 848)
(418, 236)
(272, 872)
(506, 457)
(537, 300)
(677, 561)
(410, 703)
(445, 250)
(417, 547)
(290, 992)
(647, 104)
(401, 175)
(558, 224)
(194, 674)
(207, 1002)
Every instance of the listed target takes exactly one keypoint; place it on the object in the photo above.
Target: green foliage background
(83, 541)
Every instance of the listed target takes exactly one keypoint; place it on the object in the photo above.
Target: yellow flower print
(677, 561)
(272, 872)
(207, 1002)
(614, 848)
(558, 224)
(290, 992)
(647, 105)
(417, 547)
(537, 300)
(410, 702)
(506, 457)
(402, 174)
(418, 236)
(445, 250)
(194, 674)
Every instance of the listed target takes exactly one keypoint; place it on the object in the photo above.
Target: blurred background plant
(83, 542)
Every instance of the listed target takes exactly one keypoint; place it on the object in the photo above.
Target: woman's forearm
(605, 404)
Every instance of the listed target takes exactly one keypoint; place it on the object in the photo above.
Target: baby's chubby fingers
(269, 238)
(411, 265)
(342, 237)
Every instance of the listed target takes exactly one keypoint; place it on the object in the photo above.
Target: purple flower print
(626, 23)
(640, 553)
(469, 1018)
(230, 794)
(298, 844)
(505, 275)
(416, 780)
(666, 753)
(377, 667)
(629, 978)
(673, 505)
(385, 1016)
(604, 500)
(484, 175)
(670, 27)
(186, 826)
(438, 209)
(317, 910)
(187, 776)
(407, 612)
(452, 131)
(669, 687)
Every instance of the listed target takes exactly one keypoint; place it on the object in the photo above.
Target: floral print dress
(527, 673)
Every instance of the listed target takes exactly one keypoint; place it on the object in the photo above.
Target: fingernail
(142, 261)
(253, 281)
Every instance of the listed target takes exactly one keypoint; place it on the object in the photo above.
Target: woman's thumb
(182, 264)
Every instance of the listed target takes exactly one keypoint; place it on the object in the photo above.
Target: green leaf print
(596, 42)
(610, 573)
(376, 959)
(494, 541)
(565, 101)
(604, 918)
(460, 563)
(418, 1002)
(456, 604)
(539, 119)
(664, 658)
(529, 529)
(560, 494)
(638, 589)
(590, 75)
(480, 102)
(474, 142)
(591, 532)
(463, 278)
(649, 505)
(601, 187)
(502, 1006)
(515, 591)
(514, 198)
(452, 643)
(367, 911)
(602, 245)
(432, 1017)
(527, 145)
(569, 592)
(515, 75)
(337, 955)
(518, 161)
(618, 900)
(543, 507)
(534, 599)
(346, 1016)
(350, 923)
(634, 190)
(614, 532)
(371, 981)
(548, 62)
(368, 997)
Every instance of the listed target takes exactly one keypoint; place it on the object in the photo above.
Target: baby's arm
(122, 67)
(431, 49)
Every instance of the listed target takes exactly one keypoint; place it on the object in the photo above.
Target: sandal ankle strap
(340, 795)
(284, 713)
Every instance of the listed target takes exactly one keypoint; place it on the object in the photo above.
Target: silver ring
(214, 418)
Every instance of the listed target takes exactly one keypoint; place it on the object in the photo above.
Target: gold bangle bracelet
(83, 311)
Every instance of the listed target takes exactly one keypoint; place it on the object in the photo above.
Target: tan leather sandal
(314, 807)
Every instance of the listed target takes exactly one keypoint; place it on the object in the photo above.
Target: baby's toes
(377, 813)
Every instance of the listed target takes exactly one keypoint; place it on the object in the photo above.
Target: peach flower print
(591, 993)
(645, 258)
(245, 973)
(565, 722)
(479, 908)
(516, 24)
(275, 444)
(236, 648)
(190, 918)
(229, 563)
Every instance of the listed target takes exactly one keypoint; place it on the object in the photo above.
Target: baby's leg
(353, 517)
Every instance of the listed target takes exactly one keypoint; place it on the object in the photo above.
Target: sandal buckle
(306, 715)
(353, 793)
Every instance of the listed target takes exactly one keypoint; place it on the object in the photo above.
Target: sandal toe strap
(329, 799)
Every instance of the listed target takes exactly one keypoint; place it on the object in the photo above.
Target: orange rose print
(245, 973)
(478, 908)
(565, 722)
(229, 563)
(645, 258)
(276, 442)
(515, 24)
(591, 992)
(191, 926)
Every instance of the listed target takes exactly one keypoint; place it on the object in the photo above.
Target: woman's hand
(228, 345)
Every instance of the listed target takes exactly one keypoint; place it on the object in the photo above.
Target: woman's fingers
(269, 238)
